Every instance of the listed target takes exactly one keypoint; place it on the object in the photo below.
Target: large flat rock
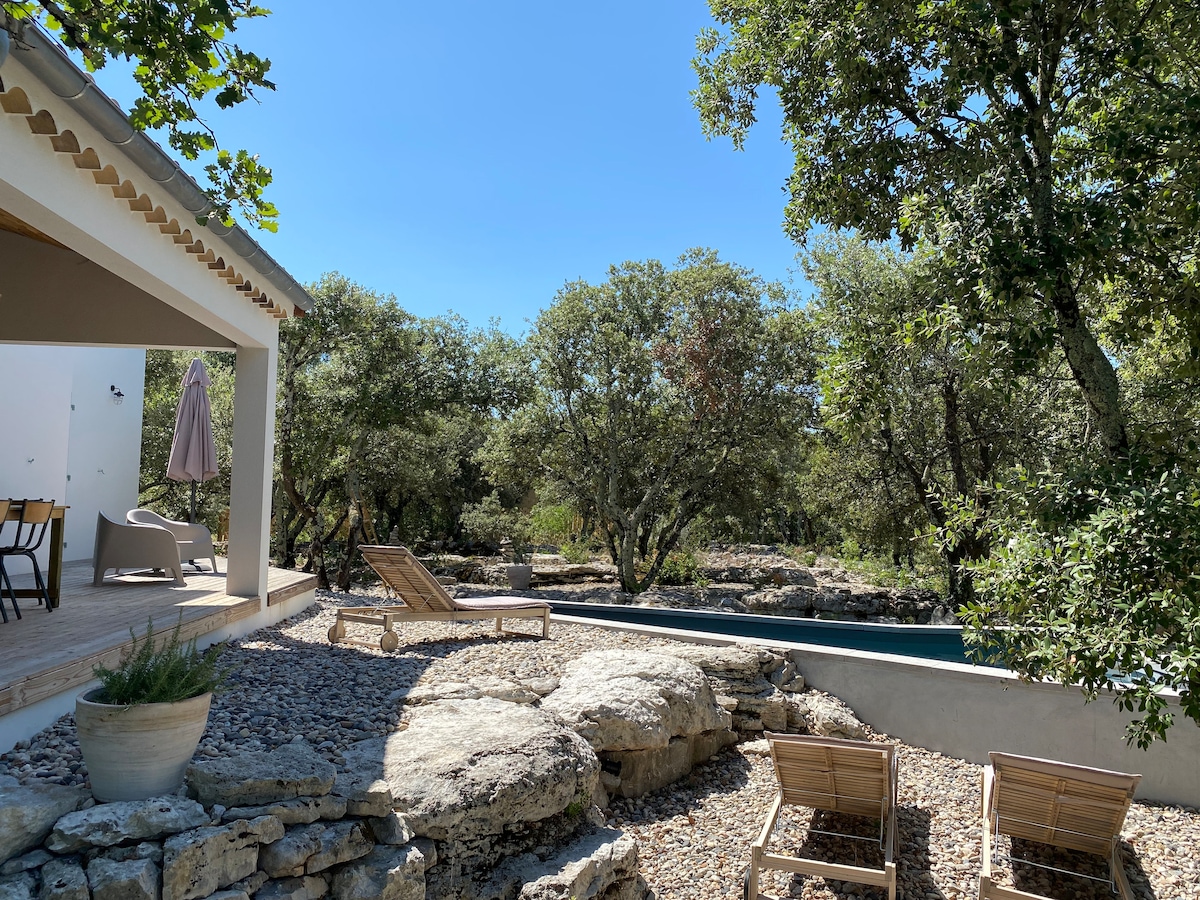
(466, 768)
(109, 824)
(258, 778)
(634, 700)
(28, 813)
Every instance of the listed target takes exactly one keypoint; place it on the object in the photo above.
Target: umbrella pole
(192, 513)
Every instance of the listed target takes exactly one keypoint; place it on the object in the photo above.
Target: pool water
(936, 642)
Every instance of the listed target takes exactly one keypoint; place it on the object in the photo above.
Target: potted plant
(520, 532)
(139, 728)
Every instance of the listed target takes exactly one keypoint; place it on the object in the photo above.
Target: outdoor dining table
(54, 572)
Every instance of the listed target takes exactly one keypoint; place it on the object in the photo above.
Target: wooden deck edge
(58, 679)
(275, 597)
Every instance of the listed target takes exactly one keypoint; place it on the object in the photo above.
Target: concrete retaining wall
(964, 711)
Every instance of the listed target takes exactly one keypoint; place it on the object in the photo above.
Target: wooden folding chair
(1054, 803)
(423, 599)
(852, 777)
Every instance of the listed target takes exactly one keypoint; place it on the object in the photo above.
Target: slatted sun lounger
(423, 599)
(1055, 803)
(857, 778)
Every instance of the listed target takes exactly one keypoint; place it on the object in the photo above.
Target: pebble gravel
(289, 684)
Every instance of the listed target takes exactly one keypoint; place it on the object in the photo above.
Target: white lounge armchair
(194, 540)
(120, 545)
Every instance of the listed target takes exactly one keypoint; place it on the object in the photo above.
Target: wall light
(117, 395)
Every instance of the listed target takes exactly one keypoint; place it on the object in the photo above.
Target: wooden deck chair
(1063, 805)
(423, 599)
(852, 777)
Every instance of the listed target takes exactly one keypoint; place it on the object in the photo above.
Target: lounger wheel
(746, 886)
(337, 631)
(389, 641)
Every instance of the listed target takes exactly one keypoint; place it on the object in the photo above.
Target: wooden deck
(44, 654)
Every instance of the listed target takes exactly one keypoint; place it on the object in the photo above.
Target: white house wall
(65, 440)
(35, 426)
(104, 456)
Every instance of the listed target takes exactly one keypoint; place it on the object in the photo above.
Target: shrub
(168, 674)
(680, 567)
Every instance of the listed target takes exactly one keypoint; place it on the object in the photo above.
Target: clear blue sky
(473, 157)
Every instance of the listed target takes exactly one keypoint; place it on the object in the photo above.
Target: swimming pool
(940, 642)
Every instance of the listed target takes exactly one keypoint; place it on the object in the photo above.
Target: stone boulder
(826, 715)
(466, 768)
(600, 864)
(253, 779)
(22, 886)
(200, 862)
(28, 813)
(133, 879)
(750, 681)
(650, 716)
(64, 879)
(386, 873)
(108, 824)
(634, 700)
(310, 849)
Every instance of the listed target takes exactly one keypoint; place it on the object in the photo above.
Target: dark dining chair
(25, 540)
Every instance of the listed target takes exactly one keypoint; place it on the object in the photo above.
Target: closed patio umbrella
(193, 452)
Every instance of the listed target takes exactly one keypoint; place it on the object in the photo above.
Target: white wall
(63, 438)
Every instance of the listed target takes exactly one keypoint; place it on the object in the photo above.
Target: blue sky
(473, 157)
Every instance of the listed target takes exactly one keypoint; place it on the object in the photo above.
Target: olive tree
(658, 391)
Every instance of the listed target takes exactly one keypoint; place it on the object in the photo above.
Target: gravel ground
(694, 836)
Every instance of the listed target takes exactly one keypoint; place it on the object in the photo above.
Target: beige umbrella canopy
(193, 452)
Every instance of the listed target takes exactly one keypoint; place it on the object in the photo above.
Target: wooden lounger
(423, 599)
(852, 777)
(1063, 805)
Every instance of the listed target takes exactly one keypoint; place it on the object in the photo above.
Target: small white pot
(136, 752)
(519, 576)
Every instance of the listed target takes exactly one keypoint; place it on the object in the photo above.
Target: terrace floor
(44, 654)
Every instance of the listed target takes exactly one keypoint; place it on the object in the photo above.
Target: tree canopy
(1043, 145)
(659, 390)
(184, 56)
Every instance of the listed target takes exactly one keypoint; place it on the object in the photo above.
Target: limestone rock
(143, 850)
(366, 793)
(472, 767)
(632, 700)
(31, 860)
(307, 887)
(107, 824)
(285, 858)
(255, 779)
(601, 863)
(228, 895)
(445, 690)
(28, 813)
(18, 887)
(200, 862)
(391, 829)
(831, 717)
(300, 811)
(63, 879)
(311, 849)
(386, 873)
(642, 771)
(339, 843)
(736, 662)
(134, 879)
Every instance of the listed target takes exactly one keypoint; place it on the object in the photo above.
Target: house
(101, 257)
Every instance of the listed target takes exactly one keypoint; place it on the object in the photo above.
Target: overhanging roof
(269, 282)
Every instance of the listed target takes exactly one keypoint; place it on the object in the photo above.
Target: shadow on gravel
(1028, 874)
(729, 772)
(854, 840)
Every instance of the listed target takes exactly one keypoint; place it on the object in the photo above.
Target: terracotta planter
(135, 752)
(519, 576)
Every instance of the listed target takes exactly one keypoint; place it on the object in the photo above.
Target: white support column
(253, 455)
